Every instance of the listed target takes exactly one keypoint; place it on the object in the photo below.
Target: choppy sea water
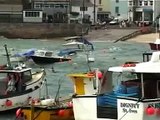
(106, 54)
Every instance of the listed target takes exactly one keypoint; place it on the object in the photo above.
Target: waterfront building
(55, 11)
(145, 11)
(85, 10)
(11, 10)
(104, 7)
(119, 8)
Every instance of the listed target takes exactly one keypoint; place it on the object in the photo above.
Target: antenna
(8, 58)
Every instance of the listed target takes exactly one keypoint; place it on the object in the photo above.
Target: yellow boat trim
(81, 75)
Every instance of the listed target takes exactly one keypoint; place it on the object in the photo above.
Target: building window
(57, 6)
(83, 8)
(117, 10)
(32, 14)
(100, 2)
(39, 5)
(151, 3)
(117, 1)
(51, 5)
(46, 5)
(134, 3)
(100, 9)
(140, 3)
(130, 3)
(145, 3)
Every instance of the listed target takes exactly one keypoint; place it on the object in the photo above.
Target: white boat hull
(18, 101)
(85, 108)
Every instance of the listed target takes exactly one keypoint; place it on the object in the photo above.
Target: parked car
(114, 22)
(107, 20)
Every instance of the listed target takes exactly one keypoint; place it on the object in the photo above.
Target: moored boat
(46, 109)
(78, 43)
(18, 84)
(113, 96)
(48, 57)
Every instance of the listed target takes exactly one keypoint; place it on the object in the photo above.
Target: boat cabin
(44, 53)
(14, 80)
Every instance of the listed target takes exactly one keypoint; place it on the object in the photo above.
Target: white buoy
(91, 59)
(47, 102)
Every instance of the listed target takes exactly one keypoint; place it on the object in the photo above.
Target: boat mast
(8, 58)
(82, 33)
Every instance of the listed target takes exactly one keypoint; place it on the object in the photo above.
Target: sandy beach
(114, 34)
(145, 38)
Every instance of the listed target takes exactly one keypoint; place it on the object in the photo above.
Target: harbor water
(106, 54)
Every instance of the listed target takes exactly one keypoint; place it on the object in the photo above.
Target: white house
(32, 16)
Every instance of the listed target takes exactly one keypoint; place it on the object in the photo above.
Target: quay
(51, 31)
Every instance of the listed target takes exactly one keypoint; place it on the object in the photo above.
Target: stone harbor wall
(40, 30)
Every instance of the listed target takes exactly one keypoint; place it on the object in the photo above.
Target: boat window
(40, 53)
(119, 77)
(3, 76)
(48, 54)
(3, 83)
(26, 76)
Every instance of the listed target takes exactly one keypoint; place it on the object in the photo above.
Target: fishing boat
(58, 108)
(18, 84)
(48, 57)
(46, 109)
(111, 95)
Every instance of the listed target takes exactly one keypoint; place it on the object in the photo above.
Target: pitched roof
(11, 2)
(80, 3)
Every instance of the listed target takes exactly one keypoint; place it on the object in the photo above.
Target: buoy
(150, 110)
(8, 103)
(36, 101)
(47, 102)
(18, 112)
(100, 75)
(70, 104)
(61, 113)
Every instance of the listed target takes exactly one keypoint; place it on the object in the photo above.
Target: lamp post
(130, 11)
(94, 12)
(83, 11)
